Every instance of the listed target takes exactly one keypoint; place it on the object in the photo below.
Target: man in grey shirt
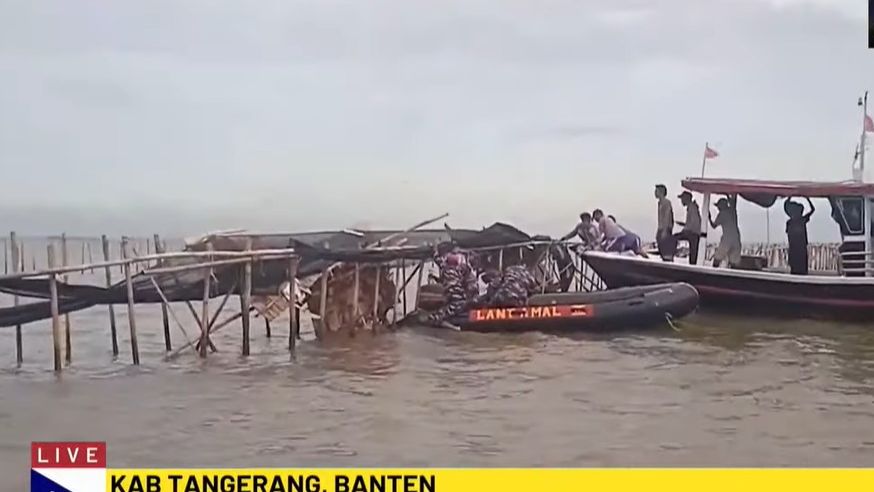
(691, 227)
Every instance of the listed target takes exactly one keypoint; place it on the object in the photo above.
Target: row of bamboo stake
(60, 269)
(586, 279)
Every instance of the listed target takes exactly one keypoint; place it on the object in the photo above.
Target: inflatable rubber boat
(631, 307)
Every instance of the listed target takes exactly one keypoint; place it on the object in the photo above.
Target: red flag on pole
(869, 124)
(710, 153)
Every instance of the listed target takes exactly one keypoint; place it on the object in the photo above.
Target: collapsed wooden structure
(346, 282)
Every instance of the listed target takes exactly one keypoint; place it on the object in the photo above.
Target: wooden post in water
(131, 317)
(376, 297)
(165, 316)
(404, 277)
(323, 300)
(356, 289)
(419, 283)
(16, 264)
(56, 320)
(245, 297)
(204, 319)
(68, 342)
(22, 258)
(105, 243)
(396, 299)
(90, 257)
(5, 257)
(292, 311)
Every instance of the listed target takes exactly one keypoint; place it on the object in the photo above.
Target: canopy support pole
(705, 219)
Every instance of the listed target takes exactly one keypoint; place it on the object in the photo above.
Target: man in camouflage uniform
(517, 284)
(455, 276)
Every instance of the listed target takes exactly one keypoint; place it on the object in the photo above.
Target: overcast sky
(183, 116)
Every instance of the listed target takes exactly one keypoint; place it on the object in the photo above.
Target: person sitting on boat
(587, 231)
(691, 227)
(614, 237)
(517, 284)
(665, 229)
(453, 273)
(796, 232)
(729, 249)
(492, 279)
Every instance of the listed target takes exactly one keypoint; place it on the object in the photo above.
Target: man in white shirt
(691, 227)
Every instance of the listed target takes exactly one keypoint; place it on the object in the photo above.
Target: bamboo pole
(56, 319)
(404, 290)
(68, 337)
(419, 283)
(190, 343)
(22, 256)
(6, 247)
(323, 300)
(238, 257)
(131, 316)
(175, 319)
(90, 258)
(16, 264)
(165, 318)
(292, 309)
(204, 326)
(376, 297)
(356, 288)
(245, 298)
(216, 314)
(396, 298)
(108, 273)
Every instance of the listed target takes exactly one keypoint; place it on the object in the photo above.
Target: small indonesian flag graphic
(67, 466)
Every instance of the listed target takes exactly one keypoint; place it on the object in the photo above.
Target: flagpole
(862, 149)
(704, 159)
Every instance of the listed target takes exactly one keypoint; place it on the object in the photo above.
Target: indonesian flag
(869, 124)
(710, 153)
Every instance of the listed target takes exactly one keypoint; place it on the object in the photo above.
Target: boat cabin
(852, 208)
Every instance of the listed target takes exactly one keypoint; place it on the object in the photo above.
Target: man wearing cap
(729, 249)
(691, 227)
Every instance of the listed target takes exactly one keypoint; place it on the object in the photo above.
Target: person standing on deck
(729, 249)
(796, 233)
(691, 227)
(665, 230)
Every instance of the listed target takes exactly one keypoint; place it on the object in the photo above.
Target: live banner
(485, 480)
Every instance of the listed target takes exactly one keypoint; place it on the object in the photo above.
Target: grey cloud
(332, 112)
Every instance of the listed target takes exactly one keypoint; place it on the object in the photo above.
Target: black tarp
(266, 275)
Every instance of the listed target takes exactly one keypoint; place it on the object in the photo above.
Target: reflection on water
(718, 391)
